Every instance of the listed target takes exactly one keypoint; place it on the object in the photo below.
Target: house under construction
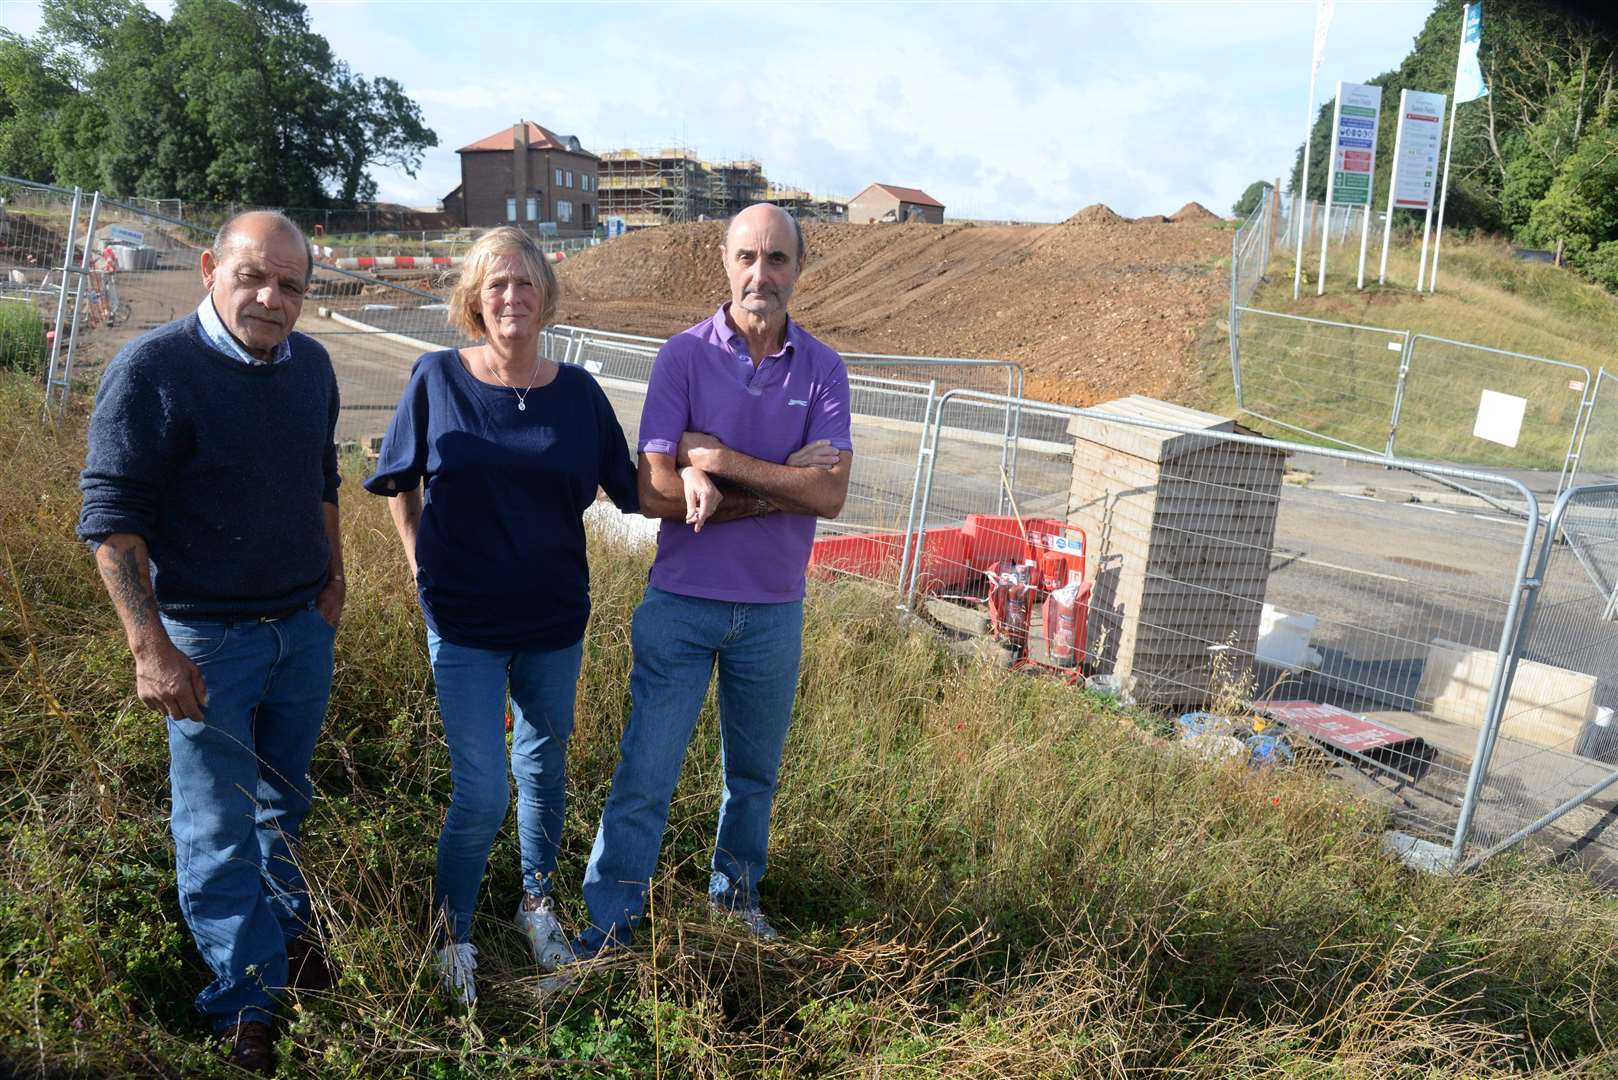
(660, 187)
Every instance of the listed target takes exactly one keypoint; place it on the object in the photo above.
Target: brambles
(976, 874)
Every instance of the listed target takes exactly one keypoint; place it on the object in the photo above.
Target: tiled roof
(539, 138)
(909, 195)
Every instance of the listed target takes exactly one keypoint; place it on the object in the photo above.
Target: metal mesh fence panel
(1597, 450)
(144, 273)
(1555, 749)
(1250, 253)
(35, 248)
(1218, 570)
(1475, 405)
(1333, 381)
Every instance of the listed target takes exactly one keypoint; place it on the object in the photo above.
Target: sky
(1025, 111)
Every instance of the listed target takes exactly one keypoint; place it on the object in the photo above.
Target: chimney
(519, 169)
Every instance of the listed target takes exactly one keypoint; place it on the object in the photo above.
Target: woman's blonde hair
(465, 304)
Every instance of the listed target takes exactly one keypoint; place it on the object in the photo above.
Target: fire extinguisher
(1061, 610)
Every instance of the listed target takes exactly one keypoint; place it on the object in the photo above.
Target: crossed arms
(708, 481)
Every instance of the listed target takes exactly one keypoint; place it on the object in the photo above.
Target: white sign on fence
(117, 234)
(1499, 417)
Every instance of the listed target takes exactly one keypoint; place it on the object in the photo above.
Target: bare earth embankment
(1094, 308)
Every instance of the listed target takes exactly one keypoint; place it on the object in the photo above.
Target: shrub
(23, 345)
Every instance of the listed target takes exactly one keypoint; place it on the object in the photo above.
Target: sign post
(1415, 167)
(1353, 160)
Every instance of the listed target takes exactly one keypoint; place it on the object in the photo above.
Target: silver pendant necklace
(522, 395)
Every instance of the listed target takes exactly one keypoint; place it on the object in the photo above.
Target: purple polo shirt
(704, 380)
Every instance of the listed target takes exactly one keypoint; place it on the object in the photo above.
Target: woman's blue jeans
(678, 642)
(472, 695)
(241, 789)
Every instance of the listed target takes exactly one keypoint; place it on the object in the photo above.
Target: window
(558, 177)
(511, 208)
(564, 210)
(584, 181)
(533, 208)
(570, 178)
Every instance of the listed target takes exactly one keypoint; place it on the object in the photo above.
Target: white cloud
(1004, 110)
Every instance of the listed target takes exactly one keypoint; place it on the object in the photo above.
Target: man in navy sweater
(210, 498)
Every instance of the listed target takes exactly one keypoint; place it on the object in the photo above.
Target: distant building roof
(906, 194)
(539, 138)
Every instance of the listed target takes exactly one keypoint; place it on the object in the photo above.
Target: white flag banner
(1323, 11)
(1469, 84)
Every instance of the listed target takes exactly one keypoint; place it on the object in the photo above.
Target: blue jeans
(241, 790)
(678, 640)
(472, 693)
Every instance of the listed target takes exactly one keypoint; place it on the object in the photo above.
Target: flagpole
(1331, 177)
(1449, 148)
(1323, 11)
(1443, 196)
(1303, 184)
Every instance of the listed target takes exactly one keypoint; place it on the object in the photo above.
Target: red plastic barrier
(946, 560)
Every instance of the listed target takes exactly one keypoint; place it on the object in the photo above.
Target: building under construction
(660, 187)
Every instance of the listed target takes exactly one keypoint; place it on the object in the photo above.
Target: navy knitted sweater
(221, 466)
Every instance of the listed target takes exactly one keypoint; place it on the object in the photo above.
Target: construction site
(673, 185)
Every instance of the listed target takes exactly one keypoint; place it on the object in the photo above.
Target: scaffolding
(674, 184)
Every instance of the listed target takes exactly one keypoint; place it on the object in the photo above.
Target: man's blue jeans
(472, 686)
(678, 641)
(241, 790)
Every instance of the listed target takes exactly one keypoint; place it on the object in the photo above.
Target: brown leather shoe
(250, 1046)
(308, 969)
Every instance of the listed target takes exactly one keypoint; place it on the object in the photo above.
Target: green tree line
(223, 101)
(1537, 157)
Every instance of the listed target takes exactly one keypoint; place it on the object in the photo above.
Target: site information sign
(1421, 131)
(1354, 156)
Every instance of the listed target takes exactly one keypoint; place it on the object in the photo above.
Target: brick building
(886, 202)
(526, 175)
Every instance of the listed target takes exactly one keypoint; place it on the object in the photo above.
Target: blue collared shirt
(213, 328)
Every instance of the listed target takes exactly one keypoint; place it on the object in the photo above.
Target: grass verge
(978, 874)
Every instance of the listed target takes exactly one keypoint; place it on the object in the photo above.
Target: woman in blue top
(512, 448)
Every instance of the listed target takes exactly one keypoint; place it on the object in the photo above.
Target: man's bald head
(759, 212)
(258, 226)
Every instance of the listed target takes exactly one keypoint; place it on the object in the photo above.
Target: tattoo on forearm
(131, 588)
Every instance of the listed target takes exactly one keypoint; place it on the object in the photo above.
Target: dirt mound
(1092, 314)
(675, 264)
(1096, 214)
(1149, 219)
(1194, 212)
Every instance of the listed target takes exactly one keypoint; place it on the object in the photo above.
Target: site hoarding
(1415, 164)
(1354, 143)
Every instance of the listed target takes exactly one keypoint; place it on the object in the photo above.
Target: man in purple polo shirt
(744, 441)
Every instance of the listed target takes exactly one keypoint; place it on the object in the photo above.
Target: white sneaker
(750, 919)
(544, 933)
(455, 965)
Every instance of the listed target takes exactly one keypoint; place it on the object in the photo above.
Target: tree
(225, 100)
(1255, 193)
(383, 127)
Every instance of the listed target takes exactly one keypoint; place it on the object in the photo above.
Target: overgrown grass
(1342, 384)
(979, 874)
